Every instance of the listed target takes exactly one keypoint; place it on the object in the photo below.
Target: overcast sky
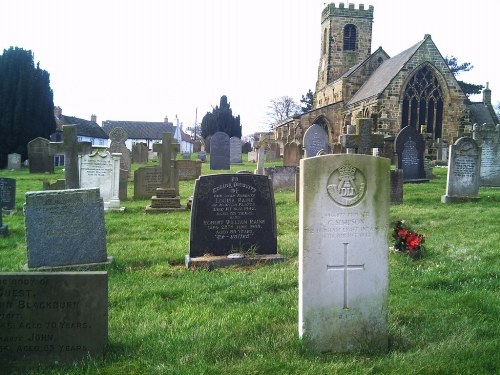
(142, 60)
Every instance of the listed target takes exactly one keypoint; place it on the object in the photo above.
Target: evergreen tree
(221, 120)
(456, 68)
(307, 101)
(26, 102)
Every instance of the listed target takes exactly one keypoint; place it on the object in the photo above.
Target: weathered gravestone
(146, 181)
(410, 147)
(189, 169)
(233, 220)
(235, 150)
(4, 229)
(167, 193)
(65, 228)
(59, 184)
(14, 161)
(283, 178)
(252, 156)
(219, 151)
(343, 252)
(118, 136)
(140, 153)
(261, 155)
(364, 141)
(52, 317)
(291, 154)
(8, 193)
(464, 165)
(40, 160)
(202, 156)
(70, 147)
(315, 141)
(102, 170)
(396, 186)
(488, 138)
(273, 152)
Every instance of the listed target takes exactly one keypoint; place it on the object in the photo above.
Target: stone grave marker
(70, 147)
(219, 151)
(488, 138)
(65, 228)
(315, 141)
(283, 178)
(8, 193)
(189, 169)
(410, 147)
(140, 153)
(59, 184)
(291, 154)
(396, 186)
(40, 160)
(233, 219)
(146, 181)
(4, 229)
(202, 156)
(52, 317)
(462, 183)
(252, 156)
(14, 161)
(364, 141)
(273, 152)
(261, 155)
(123, 185)
(118, 136)
(235, 150)
(102, 170)
(343, 252)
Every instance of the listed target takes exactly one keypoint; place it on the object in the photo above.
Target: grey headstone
(14, 161)
(64, 228)
(146, 181)
(464, 165)
(140, 153)
(364, 141)
(219, 151)
(189, 169)
(397, 186)
(315, 141)
(8, 193)
(488, 138)
(410, 147)
(282, 178)
(40, 160)
(291, 154)
(52, 317)
(118, 136)
(235, 150)
(202, 155)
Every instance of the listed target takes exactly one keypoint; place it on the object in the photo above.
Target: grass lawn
(444, 309)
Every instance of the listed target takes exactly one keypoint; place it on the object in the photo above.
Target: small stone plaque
(48, 317)
(233, 213)
(8, 193)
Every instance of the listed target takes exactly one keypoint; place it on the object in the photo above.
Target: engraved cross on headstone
(168, 151)
(345, 267)
(364, 140)
(70, 147)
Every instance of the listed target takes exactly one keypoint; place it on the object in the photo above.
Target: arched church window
(350, 37)
(423, 102)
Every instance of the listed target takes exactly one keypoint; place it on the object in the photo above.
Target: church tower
(346, 38)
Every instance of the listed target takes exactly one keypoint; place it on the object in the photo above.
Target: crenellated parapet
(350, 11)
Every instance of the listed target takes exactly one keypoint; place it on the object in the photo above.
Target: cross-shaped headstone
(345, 267)
(364, 140)
(168, 151)
(70, 147)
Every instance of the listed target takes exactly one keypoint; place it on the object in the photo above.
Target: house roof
(140, 129)
(84, 127)
(383, 76)
(480, 114)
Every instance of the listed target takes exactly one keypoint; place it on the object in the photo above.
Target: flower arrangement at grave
(408, 241)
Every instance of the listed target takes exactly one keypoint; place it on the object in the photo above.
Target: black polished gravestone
(410, 147)
(8, 193)
(233, 221)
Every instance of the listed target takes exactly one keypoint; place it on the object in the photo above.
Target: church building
(414, 88)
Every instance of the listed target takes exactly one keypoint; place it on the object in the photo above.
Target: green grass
(444, 310)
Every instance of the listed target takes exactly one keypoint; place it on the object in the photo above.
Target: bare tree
(280, 109)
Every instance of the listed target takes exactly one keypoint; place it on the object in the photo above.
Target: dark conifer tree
(221, 119)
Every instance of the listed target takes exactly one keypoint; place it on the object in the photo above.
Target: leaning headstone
(488, 138)
(397, 186)
(343, 252)
(118, 136)
(462, 183)
(291, 154)
(235, 150)
(71, 148)
(52, 317)
(233, 220)
(102, 170)
(40, 161)
(14, 161)
(146, 181)
(8, 193)
(139, 153)
(219, 151)
(315, 141)
(65, 228)
(364, 141)
(410, 147)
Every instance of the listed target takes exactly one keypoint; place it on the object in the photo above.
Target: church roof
(480, 114)
(84, 128)
(140, 129)
(383, 76)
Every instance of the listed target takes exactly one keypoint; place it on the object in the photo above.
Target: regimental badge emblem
(346, 185)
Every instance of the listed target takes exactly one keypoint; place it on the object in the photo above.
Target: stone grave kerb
(168, 151)
(70, 147)
(364, 140)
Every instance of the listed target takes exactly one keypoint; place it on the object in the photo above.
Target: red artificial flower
(402, 233)
(413, 241)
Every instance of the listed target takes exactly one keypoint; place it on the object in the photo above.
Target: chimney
(166, 120)
(93, 118)
(57, 112)
(487, 95)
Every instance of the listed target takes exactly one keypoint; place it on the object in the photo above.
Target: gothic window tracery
(423, 102)
(350, 35)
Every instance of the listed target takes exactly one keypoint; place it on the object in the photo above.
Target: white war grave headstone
(343, 252)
